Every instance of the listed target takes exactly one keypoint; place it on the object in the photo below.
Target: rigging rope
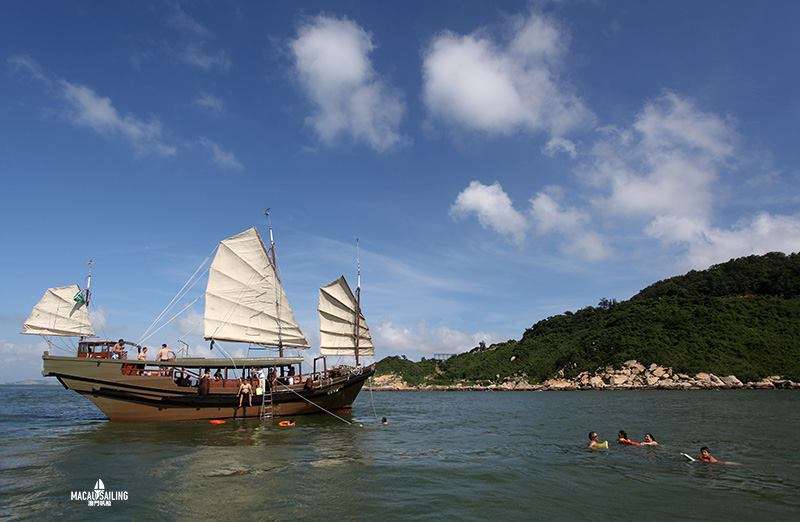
(315, 404)
(169, 320)
(182, 292)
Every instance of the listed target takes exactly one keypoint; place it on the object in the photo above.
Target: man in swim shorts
(623, 439)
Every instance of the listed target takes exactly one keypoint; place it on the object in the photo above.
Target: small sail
(337, 321)
(62, 311)
(245, 301)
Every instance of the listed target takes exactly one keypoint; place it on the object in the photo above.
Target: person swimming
(384, 421)
(706, 456)
(649, 440)
(595, 442)
(623, 439)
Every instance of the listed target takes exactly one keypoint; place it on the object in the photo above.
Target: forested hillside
(741, 317)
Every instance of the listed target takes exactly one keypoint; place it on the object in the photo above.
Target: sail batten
(59, 314)
(338, 310)
(245, 300)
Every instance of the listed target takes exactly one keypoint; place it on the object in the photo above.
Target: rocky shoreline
(632, 375)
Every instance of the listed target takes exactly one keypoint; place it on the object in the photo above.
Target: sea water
(443, 455)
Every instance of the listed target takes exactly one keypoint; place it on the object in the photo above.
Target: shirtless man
(594, 441)
(118, 349)
(165, 354)
(623, 439)
(245, 392)
(649, 440)
(706, 456)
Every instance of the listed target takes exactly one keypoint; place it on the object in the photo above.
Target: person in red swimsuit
(706, 456)
(623, 439)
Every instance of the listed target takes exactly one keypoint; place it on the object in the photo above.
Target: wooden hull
(154, 398)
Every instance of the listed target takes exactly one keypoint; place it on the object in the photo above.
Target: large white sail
(337, 321)
(245, 300)
(59, 313)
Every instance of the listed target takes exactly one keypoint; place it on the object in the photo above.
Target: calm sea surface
(461, 455)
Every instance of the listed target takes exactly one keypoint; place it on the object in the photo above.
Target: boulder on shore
(559, 384)
(732, 381)
(596, 382)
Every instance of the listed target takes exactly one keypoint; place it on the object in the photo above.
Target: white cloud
(210, 102)
(88, 109)
(21, 361)
(197, 55)
(493, 208)
(549, 216)
(194, 41)
(190, 323)
(495, 211)
(222, 157)
(557, 144)
(706, 245)
(666, 163)
(571, 224)
(476, 82)
(422, 338)
(99, 318)
(331, 60)
(665, 168)
(22, 63)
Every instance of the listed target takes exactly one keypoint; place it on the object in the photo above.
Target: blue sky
(501, 161)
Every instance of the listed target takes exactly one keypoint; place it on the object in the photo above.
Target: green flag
(80, 298)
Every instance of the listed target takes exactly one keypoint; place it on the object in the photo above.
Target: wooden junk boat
(244, 302)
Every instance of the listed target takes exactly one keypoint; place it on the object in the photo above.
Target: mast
(272, 256)
(88, 292)
(89, 265)
(358, 300)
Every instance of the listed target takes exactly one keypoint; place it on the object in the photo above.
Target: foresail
(61, 311)
(337, 322)
(245, 301)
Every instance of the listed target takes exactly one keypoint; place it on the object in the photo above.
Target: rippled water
(461, 455)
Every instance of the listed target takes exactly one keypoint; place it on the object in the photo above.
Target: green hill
(741, 317)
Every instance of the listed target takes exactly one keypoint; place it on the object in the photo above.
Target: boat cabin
(101, 349)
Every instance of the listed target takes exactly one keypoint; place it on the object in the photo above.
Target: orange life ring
(286, 424)
(216, 421)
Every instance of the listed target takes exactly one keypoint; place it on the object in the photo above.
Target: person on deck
(649, 440)
(245, 393)
(165, 354)
(218, 374)
(706, 456)
(290, 375)
(623, 439)
(272, 376)
(118, 349)
(142, 356)
(204, 385)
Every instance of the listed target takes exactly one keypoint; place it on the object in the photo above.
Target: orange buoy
(216, 421)
(286, 424)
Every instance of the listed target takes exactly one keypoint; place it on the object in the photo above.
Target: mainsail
(338, 310)
(62, 311)
(245, 300)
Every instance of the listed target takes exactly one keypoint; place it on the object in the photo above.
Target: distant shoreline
(632, 375)
(545, 389)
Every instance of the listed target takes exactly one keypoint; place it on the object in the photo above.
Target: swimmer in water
(623, 439)
(649, 440)
(706, 456)
(384, 421)
(594, 441)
